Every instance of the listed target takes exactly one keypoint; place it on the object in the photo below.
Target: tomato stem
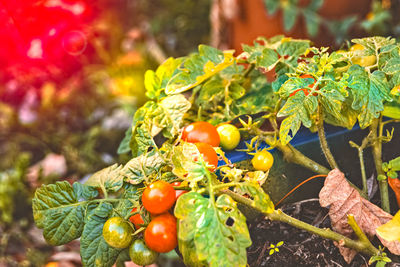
(322, 139)
(365, 142)
(377, 129)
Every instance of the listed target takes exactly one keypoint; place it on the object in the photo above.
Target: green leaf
(155, 82)
(188, 252)
(219, 91)
(369, 92)
(108, 179)
(261, 200)
(169, 114)
(142, 130)
(332, 100)
(94, 249)
(57, 210)
(218, 229)
(251, 102)
(185, 167)
(392, 66)
(394, 164)
(312, 22)
(198, 68)
(261, 56)
(272, 6)
(124, 145)
(84, 191)
(293, 47)
(137, 169)
(152, 118)
(373, 44)
(290, 12)
(128, 200)
(298, 109)
(341, 27)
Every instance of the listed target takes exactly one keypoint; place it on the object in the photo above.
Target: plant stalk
(360, 149)
(322, 140)
(376, 136)
(291, 154)
(362, 245)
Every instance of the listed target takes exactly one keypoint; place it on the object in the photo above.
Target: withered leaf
(343, 200)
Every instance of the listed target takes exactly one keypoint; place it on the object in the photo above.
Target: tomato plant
(229, 136)
(160, 234)
(117, 232)
(158, 197)
(140, 254)
(201, 132)
(262, 160)
(209, 88)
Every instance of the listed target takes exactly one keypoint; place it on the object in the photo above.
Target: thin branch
(322, 139)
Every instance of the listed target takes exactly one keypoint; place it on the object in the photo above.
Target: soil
(299, 248)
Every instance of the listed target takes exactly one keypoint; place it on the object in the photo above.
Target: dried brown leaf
(344, 200)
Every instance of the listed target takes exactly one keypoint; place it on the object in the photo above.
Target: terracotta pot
(254, 21)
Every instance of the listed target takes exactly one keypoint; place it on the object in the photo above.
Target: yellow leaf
(390, 231)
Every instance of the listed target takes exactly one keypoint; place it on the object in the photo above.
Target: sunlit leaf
(108, 178)
(137, 169)
(199, 67)
(57, 210)
(218, 229)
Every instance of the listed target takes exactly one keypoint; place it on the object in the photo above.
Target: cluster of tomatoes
(160, 235)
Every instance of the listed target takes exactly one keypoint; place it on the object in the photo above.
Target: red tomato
(158, 197)
(209, 154)
(161, 235)
(201, 132)
(178, 192)
(305, 90)
(136, 219)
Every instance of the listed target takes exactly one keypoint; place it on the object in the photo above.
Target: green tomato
(117, 232)
(229, 136)
(140, 254)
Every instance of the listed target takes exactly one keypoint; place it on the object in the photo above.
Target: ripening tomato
(178, 192)
(136, 219)
(358, 59)
(305, 90)
(201, 132)
(229, 136)
(158, 197)
(140, 254)
(161, 234)
(117, 232)
(209, 155)
(262, 160)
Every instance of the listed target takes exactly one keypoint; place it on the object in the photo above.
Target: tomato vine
(217, 87)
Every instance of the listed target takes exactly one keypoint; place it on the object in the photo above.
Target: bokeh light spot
(74, 42)
(35, 49)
